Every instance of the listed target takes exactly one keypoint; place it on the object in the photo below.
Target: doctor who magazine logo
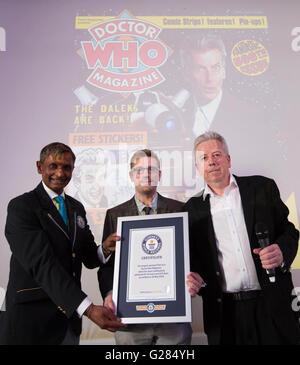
(125, 54)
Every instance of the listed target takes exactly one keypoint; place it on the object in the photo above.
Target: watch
(106, 251)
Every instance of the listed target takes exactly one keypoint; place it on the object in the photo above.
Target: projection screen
(111, 77)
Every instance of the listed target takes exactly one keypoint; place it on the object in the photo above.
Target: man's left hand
(270, 256)
(194, 282)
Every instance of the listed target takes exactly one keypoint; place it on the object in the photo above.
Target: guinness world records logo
(151, 244)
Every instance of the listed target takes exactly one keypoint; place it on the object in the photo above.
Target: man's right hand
(109, 245)
(104, 318)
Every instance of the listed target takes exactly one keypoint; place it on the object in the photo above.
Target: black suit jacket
(129, 208)
(44, 287)
(261, 203)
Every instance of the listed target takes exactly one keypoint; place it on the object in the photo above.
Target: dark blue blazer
(44, 287)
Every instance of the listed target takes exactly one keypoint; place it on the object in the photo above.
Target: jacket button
(73, 255)
(219, 300)
(218, 273)
(74, 274)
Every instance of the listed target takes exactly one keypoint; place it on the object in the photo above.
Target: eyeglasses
(141, 170)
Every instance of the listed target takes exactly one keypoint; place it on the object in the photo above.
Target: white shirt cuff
(83, 306)
(102, 259)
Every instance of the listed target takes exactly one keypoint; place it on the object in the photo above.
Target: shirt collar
(207, 190)
(211, 108)
(141, 205)
(52, 194)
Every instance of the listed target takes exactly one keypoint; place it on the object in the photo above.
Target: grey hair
(56, 148)
(206, 43)
(209, 135)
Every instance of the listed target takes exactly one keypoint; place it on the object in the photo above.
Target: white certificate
(151, 265)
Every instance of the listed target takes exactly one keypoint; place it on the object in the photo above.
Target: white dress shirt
(205, 114)
(140, 205)
(233, 246)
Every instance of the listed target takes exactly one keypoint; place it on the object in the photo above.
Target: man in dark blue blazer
(44, 300)
(241, 304)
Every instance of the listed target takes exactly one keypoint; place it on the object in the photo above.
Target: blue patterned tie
(62, 208)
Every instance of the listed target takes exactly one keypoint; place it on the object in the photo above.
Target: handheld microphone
(262, 235)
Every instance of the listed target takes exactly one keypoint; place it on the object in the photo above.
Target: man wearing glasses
(145, 173)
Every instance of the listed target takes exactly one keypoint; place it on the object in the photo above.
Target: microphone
(262, 235)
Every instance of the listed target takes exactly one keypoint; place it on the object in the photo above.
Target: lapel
(52, 213)
(205, 215)
(72, 216)
(161, 204)
(229, 105)
(248, 198)
(130, 208)
(218, 121)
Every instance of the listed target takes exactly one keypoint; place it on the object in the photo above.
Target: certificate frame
(173, 307)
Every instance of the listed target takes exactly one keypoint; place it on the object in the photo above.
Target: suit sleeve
(87, 247)
(286, 235)
(194, 261)
(106, 271)
(30, 246)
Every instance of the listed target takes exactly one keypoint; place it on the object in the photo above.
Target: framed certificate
(151, 266)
